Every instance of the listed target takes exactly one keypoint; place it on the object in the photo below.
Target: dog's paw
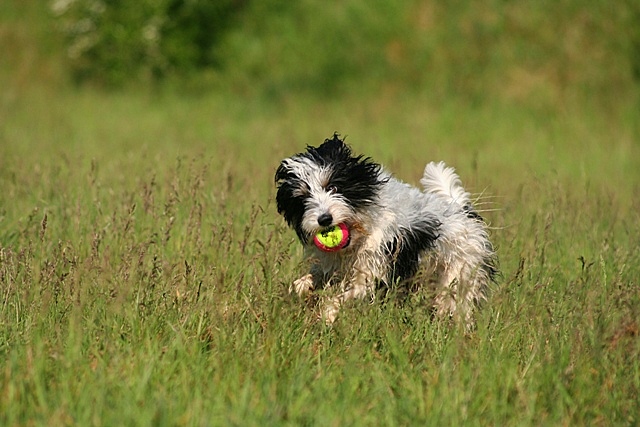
(330, 311)
(302, 286)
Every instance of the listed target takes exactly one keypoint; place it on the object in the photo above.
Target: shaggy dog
(394, 229)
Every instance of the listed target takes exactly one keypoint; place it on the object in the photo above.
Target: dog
(394, 229)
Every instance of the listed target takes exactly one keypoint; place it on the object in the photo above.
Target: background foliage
(516, 50)
(113, 42)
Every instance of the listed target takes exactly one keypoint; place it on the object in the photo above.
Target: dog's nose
(325, 219)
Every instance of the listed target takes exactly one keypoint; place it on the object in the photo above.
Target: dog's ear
(281, 173)
(290, 206)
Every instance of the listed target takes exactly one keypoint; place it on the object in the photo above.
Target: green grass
(143, 268)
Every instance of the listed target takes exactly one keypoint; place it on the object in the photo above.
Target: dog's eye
(332, 189)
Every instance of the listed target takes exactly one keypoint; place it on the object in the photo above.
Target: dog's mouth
(332, 239)
(346, 245)
(348, 241)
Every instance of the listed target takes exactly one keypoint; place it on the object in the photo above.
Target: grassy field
(143, 268)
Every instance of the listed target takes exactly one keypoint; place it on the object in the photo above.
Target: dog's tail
(442, 180)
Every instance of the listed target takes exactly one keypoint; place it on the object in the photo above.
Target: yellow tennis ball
(332, 239)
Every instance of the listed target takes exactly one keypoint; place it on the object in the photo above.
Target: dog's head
(326, 186)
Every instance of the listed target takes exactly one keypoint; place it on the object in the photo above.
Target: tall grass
(143, 270)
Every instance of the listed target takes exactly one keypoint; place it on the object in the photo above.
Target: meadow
(144, 268)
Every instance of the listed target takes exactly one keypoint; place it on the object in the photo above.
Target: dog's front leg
(309, 282)
(303, 285)
(360, 286)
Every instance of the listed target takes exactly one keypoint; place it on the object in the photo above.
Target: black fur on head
(356, 179)
(290, 200)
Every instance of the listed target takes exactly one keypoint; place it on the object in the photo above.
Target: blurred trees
(115, 41)
(519, 49)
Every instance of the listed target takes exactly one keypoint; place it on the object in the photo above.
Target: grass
(143, 268)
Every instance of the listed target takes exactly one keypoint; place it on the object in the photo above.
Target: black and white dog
(394, 229)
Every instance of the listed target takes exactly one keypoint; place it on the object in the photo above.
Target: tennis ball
(332, 239)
